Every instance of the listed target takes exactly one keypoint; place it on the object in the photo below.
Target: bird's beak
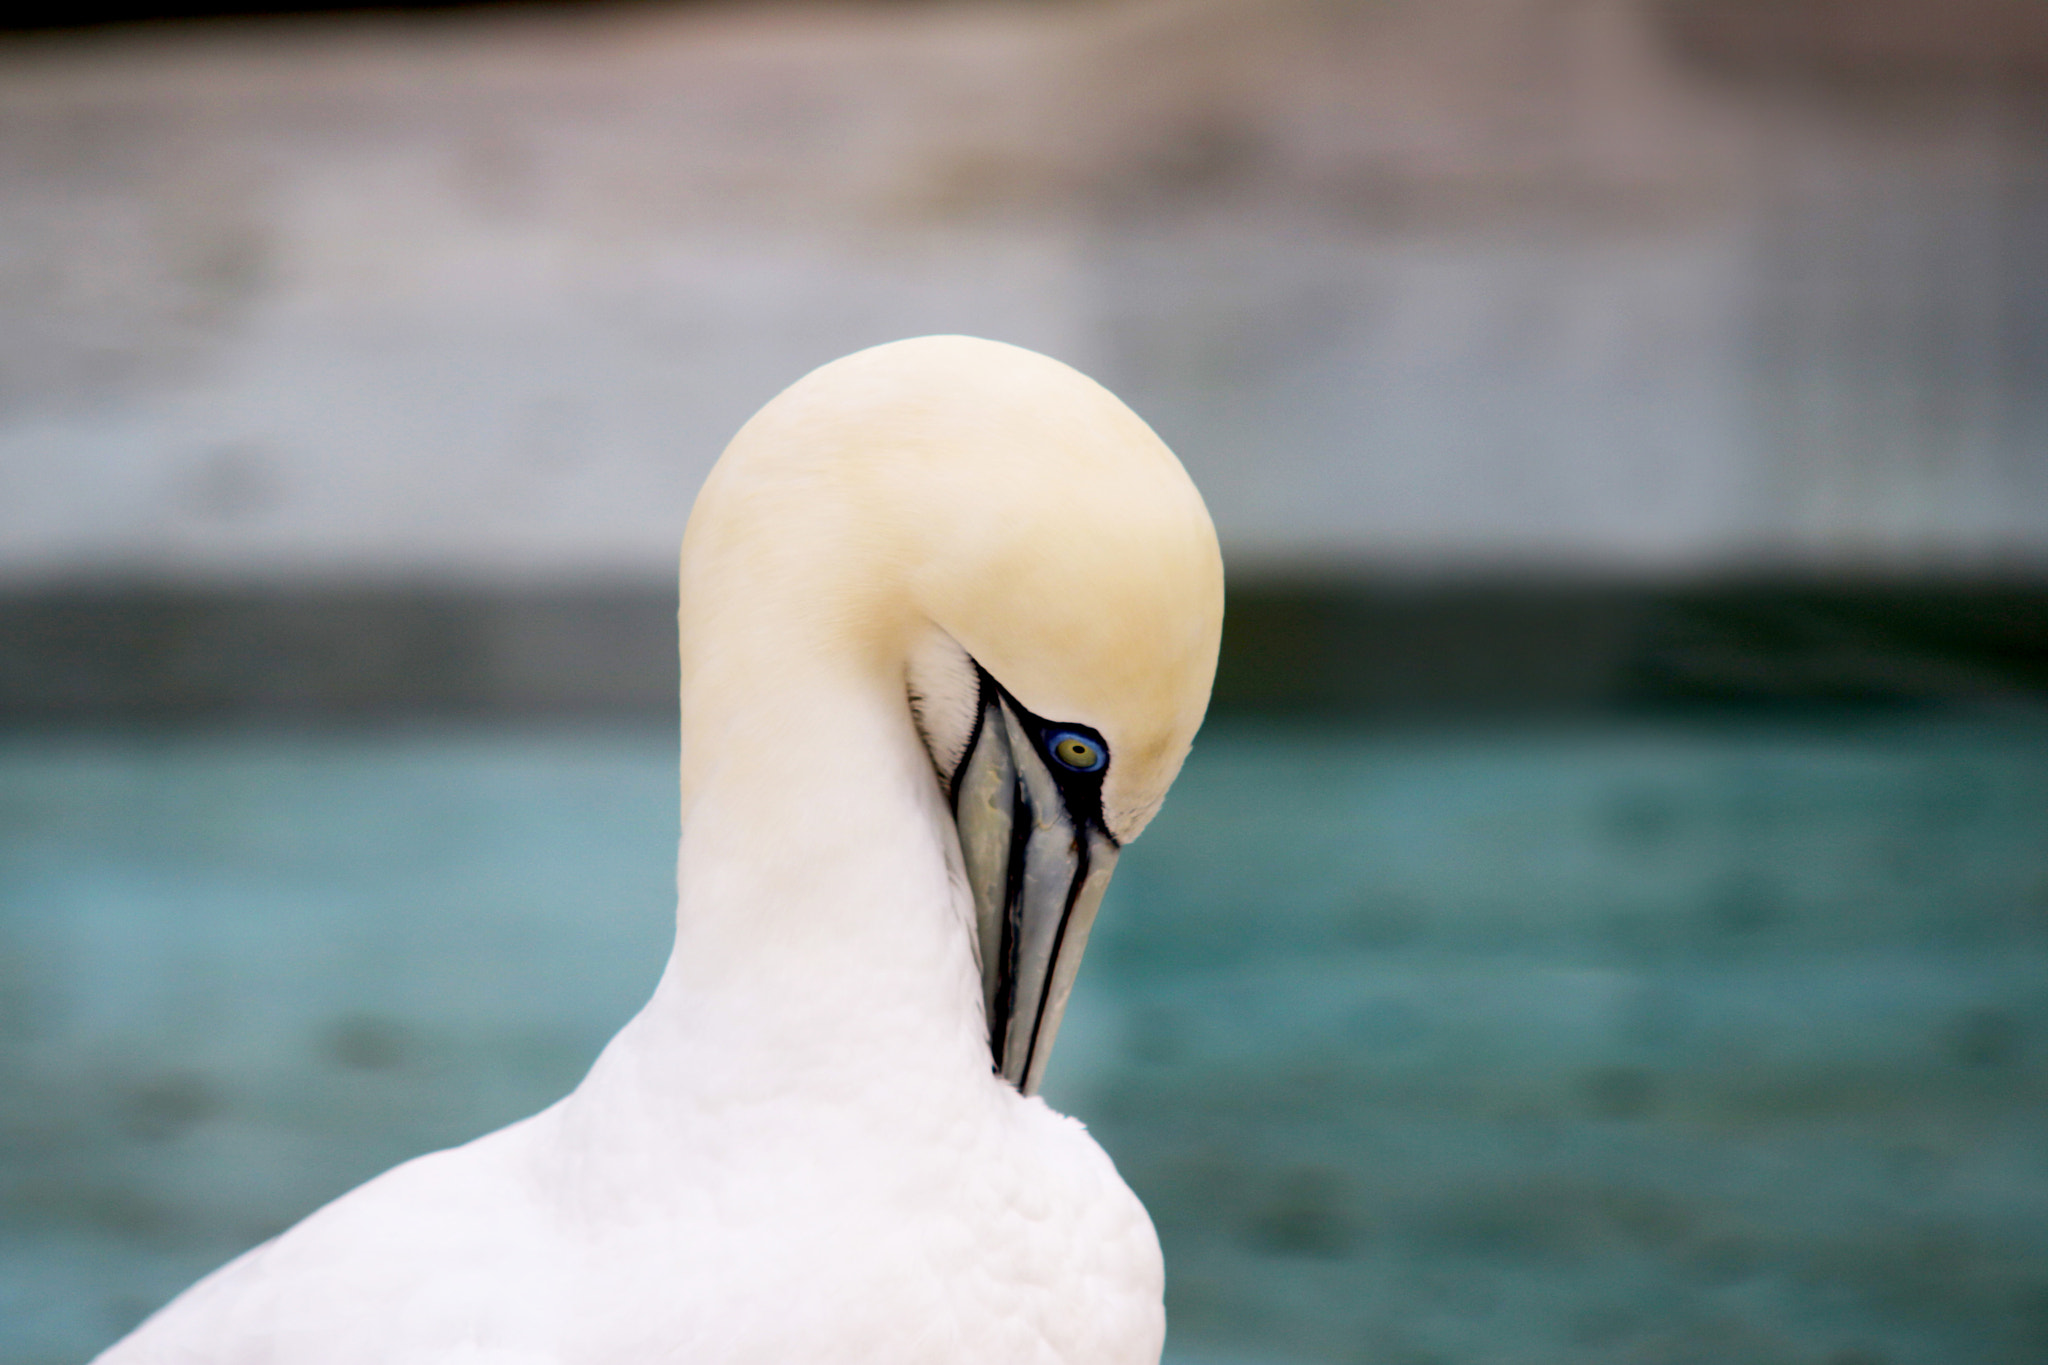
(1038, 858)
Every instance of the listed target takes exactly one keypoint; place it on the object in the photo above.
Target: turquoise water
(1618, 1044)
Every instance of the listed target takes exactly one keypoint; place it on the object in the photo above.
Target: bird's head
(1004, 543)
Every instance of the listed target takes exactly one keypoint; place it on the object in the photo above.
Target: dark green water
(1613, 1044)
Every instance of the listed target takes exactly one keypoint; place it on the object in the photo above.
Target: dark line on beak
(1059, 940)
(1022, 819)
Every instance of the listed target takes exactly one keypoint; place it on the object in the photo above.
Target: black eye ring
(1077, 752)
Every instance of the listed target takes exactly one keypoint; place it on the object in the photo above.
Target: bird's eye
(1078, 752)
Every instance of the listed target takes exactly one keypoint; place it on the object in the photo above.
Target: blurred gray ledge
(1667, 289)
(1386, 649)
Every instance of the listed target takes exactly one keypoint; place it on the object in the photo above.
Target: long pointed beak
(1038, 860)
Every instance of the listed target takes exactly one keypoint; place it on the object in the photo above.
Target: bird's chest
(845, 1243)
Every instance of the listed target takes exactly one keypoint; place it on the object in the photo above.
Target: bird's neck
(824, 941)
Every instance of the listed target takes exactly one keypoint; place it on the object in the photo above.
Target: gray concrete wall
(477, 298)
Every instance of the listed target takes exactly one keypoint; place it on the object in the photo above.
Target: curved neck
(824, 938)
(824, 931)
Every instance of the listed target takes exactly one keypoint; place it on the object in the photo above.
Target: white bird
(949, 617)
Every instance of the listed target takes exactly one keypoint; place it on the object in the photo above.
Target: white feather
(797, 1152)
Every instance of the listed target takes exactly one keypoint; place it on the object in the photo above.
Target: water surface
(1619, 1043)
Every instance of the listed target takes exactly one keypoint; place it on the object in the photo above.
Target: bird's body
(806, 1233)
(799, 1150)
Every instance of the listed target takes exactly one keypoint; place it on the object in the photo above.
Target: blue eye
(1078, 752)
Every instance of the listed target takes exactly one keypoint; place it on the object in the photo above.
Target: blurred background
(1605, 919)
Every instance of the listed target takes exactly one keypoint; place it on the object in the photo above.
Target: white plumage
(931, 563)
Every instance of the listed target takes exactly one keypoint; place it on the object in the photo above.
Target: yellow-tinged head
(991, 494)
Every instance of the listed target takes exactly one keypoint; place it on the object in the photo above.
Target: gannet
(949, 618)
